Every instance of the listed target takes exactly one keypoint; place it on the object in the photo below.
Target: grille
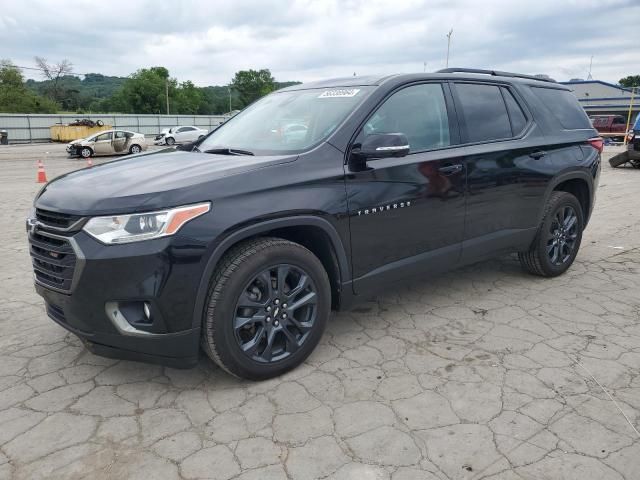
(53, 260)
(56, 220)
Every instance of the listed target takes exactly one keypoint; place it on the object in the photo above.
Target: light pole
(229, 88)
(449, 45)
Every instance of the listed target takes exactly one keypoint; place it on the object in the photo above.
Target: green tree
(144, 92)
(188, 99)
(252, 84)
(15, 97)
(630, 81)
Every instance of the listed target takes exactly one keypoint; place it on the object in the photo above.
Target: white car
(182, 134)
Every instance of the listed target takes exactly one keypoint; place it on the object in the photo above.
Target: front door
(407, 214)
(102, 144)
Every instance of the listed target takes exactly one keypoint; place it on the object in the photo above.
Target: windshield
(286, 122)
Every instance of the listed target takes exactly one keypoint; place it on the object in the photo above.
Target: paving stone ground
(485, 372)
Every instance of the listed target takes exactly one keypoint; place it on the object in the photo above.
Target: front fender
(263, 227)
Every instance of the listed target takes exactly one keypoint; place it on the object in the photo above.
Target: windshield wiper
(228, 151)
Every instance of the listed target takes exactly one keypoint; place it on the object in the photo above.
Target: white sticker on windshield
(339, 93)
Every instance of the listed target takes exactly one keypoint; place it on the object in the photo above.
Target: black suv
(313, 197)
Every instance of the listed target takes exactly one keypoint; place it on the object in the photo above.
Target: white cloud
(207, 41)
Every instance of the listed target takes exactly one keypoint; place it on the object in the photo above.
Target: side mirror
(384, 145)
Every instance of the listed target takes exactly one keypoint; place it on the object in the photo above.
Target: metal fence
(23, 128)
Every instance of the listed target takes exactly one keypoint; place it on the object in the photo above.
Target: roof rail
(495, 73)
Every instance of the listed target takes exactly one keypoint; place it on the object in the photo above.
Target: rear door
(119, 141)
(505, 175)
(407, 214)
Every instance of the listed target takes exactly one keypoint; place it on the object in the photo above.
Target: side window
(518, 120)
(187, 129)
(564, 106)
(618, 121)
(484, 112)
(419, 112)
(104, 136)
(120, 134)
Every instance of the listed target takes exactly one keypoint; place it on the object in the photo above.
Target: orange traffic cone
(89, 162)
(42, 175)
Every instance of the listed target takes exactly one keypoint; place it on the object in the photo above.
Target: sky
(208, 41)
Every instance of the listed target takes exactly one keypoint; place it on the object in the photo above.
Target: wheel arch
(314, 233)
(577, 183)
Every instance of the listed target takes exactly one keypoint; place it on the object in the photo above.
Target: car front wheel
(558, 239)
(268, 305)
(86, 152)
(170, 140)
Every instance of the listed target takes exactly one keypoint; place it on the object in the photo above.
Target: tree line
(144, 91)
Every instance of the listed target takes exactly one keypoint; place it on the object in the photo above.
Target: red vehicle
(614, 126)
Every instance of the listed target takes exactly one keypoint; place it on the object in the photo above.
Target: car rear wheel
(558, 239)
(135, 149)
(86, 152)
(268, 305)
(170, 140)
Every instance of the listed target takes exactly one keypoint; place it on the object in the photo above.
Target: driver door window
(419, 112)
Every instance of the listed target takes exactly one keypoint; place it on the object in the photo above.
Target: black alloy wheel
(562, 235)
(269, 302)
(558, 238)
(275, 313)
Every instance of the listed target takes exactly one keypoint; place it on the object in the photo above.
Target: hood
(79, 140)
(146, 182)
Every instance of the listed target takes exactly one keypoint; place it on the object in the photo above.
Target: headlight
(116, 229)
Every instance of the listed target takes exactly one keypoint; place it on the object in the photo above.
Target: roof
(375, 80)
(582, 82)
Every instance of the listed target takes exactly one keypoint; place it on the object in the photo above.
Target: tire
(135, 149)
(239, 350)
(170, 141)
(86, 152)
(619, 159)
(539, 260)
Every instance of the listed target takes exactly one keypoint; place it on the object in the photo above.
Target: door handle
(450, 169)
(537, 154)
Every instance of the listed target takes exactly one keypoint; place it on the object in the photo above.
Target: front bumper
(74, 150)
(164, 273)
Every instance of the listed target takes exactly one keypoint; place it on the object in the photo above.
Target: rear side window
(518, 120)
(564, 106)
(484, 112)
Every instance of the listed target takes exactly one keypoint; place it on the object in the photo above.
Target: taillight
(630, 136)
(596, 143)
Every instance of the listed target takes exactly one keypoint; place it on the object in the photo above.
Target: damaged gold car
(110, 142)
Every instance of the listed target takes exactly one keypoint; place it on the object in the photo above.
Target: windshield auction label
(339, 93)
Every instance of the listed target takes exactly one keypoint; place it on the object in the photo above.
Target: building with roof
(598, 97)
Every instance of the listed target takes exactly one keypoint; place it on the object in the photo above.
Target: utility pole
(589, 77)
(425, 66)
(449, 45)
(229, 88)
(166, 91)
